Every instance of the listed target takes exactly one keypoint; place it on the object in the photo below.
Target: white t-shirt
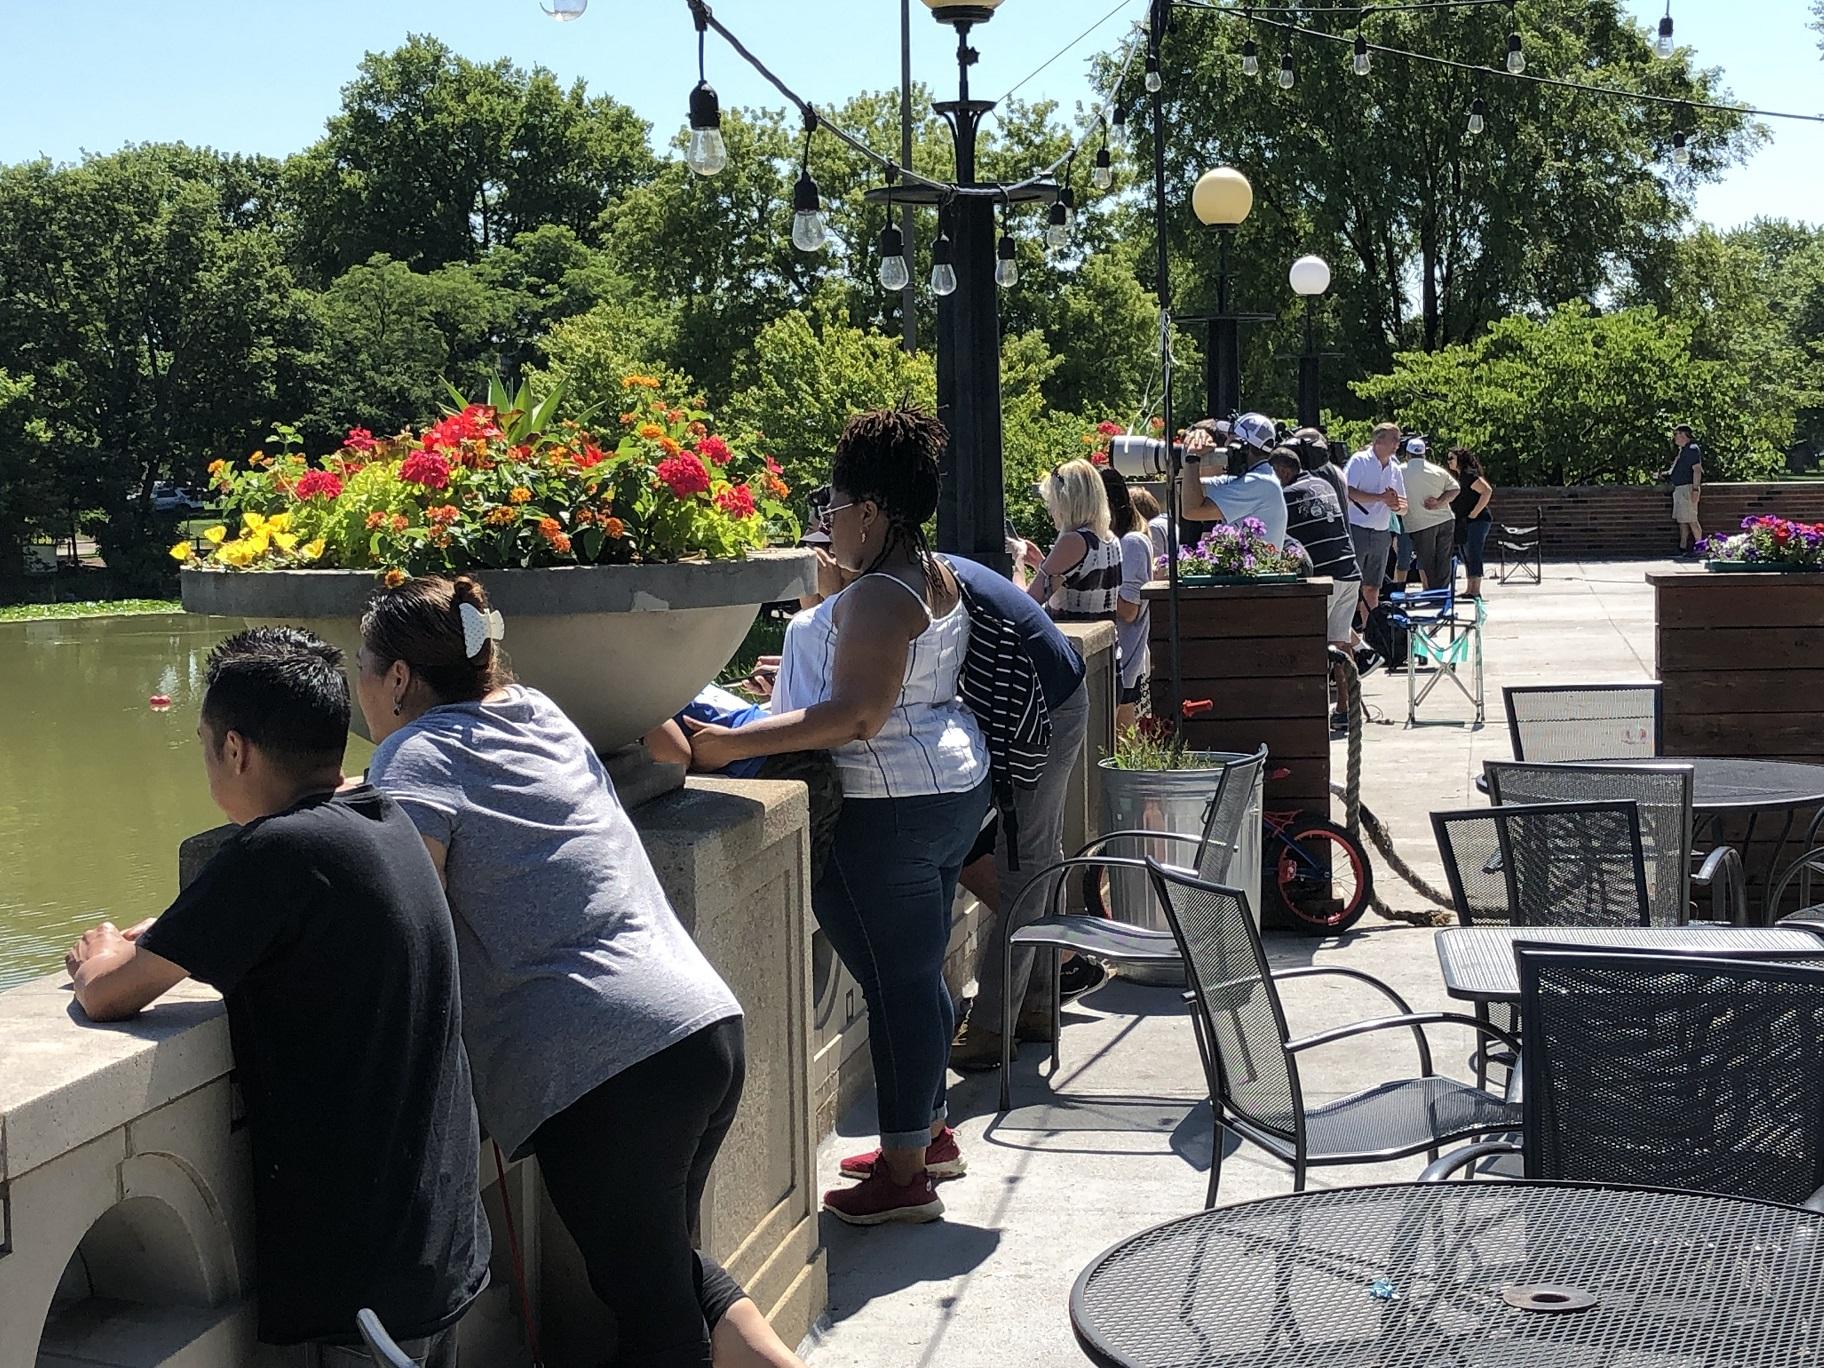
(1425, 481)
(1366, 474)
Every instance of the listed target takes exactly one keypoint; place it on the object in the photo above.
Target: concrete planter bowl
(620, 648)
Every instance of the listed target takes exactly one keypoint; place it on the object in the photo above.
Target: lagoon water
(96, 788)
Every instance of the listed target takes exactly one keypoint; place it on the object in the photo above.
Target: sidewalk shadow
(862, 1269)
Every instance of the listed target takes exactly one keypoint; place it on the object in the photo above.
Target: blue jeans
(1475, 534)
(884, 901)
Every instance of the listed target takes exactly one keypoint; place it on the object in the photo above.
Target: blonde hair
(1074, 496)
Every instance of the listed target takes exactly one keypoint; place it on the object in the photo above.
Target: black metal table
(1724, 785)
(1478, 961)
(1450, 1275)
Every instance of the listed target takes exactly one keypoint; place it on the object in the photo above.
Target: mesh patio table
(1463, 1275)
(1478, 961)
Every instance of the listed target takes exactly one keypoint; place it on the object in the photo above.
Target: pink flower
(426, 468)
(314, 482)
(359, 439)
(737, 500)
(684, 475)
(1108, 429)
(715, 449)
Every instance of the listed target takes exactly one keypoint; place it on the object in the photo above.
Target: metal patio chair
(1447, 632)
(1546, 864)
(1686, 1071)
(1520, 551)
(1251, 1059)
(1662, 793)
(1211, 855)
(1547, 722)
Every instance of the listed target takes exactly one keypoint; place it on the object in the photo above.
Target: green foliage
(88, 608)
(28, 477)
(1582, 398)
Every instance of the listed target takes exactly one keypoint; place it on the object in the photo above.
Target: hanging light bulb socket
(1516, 55)
(1250, 58)
(1681, 149)
(1119, 115)
(894, 273)
(1363, 62)
(707, 153)
(1007, 263)
(1664, 46)
(943, 269)
(1057, 231)
(809, 229)
(1155, 81)
(1478, 116)
(1288, 74)
(1102, 174)
(1068, 198)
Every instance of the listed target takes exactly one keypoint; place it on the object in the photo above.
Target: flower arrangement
(1238, 551)
(502, 485)
(1157, 743)
(1099, 438)
(1768, 541)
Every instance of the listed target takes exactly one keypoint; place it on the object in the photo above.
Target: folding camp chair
(1447, 633)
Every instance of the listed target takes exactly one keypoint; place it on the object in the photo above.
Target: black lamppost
(971, 513)
(1310, 277)
(1221, 200)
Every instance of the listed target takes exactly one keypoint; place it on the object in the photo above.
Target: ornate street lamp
(1222, 200)
(1310, 277)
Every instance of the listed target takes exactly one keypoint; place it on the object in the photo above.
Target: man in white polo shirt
(1230, 498)
(1376, 492)
(1428, 518)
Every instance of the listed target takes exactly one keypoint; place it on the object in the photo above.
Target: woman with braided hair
(872, 674)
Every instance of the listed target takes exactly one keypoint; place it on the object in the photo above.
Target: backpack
(1385, 637)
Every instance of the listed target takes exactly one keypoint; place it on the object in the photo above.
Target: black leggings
(625, 1165)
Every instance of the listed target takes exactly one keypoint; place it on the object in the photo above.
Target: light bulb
(1681, 151)
(1363, 62)
(1154, 81)
(1007, 268)
(1250, 59)
(895, 275)
(1102, 175)
(943, 274)
(565, 10)
(809, 232)
(1477, 119)
(707, 153)
(1068, 198)
(1663, 47)
(1287, 76)
(1057, 232)
(1516, 58)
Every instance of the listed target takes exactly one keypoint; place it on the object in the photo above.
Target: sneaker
(878, 1200)
(976, 1049)
(1339, 720)
(1081, 977)
(943, 1156)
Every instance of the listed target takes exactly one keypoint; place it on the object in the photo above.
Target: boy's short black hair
(284, 690)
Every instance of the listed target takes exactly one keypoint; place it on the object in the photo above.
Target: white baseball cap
(1415, 446)
(1256, 430)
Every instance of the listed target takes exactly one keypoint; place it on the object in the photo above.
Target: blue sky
(261, 75)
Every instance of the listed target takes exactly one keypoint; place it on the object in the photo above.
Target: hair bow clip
(479, 628)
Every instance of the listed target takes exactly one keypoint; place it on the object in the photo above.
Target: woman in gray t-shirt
(600, 1038)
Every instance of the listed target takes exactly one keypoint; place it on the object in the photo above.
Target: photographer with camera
(1231, 498)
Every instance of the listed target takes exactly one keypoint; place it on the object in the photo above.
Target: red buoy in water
(159, 702)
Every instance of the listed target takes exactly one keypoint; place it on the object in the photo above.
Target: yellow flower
(285, 541)
(257, 459)
(181, 552)
(252, 522)
(236, 553)
(278, 522)
(215, 534)
(313, 550)
(520, 495)
(217, 467)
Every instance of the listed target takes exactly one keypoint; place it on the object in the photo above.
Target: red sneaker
(943, 1159)
(878, 1200)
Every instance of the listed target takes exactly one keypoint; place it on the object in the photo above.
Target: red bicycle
(1315, 876)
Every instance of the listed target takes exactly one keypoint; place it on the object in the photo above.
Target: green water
(97, 789)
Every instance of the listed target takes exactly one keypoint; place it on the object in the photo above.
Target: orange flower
(561, 544)
(520, 495)
(629, 419)
(584, 515)
(394, 577)
(614, 527)
(550, 529)
(669, 447)
(639, 382)
(374, 520)
(698, 431)
(651, 431)
(501, 516)
(257, 459)
(443, 515)
(400, 523)
(217, 467)
(674, 416)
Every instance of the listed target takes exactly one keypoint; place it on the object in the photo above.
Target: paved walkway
(1122, 1138)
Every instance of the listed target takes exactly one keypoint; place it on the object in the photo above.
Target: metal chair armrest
(1440, 1169)
(1815, 1202)
(1308, 970)
(1109, 836)
(1723, 875)
(1414, 1020)
(1812, 859)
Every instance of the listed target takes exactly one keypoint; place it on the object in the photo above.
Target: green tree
(29, 486)
(1582, 398)
(625, 334)
(434, 159)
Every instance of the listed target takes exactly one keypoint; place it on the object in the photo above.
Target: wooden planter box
(1256, 651)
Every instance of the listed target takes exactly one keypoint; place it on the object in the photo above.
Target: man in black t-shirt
(322, 922)
(1687, 476)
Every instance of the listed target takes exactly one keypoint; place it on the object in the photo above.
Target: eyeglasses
(832, 510)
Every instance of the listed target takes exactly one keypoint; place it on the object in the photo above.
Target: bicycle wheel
(1322, 877)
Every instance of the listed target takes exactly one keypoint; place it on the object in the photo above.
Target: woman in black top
(1474, 495)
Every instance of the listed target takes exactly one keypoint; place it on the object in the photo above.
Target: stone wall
(125, 1204)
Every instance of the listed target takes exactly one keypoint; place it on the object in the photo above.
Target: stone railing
(125, 1199)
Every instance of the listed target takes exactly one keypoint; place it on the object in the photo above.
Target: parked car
(173, 498)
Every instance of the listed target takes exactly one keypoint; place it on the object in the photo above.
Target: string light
(1478, 116)
(1057, 232)
(1516, 55)
(1068, 198)
(1154, 81)
(707, 153)
(1288, 77)
(1664, 46)
(895, 275)
(1102, 174)
(809, 230)
(1363, 62)
(943, 274)
(1250, 59)
(1681, 151)
(565, 10)
(1007, 263)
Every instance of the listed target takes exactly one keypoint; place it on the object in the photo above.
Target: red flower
(715, 449)
(737, 500)
(359, 439)
(590, 455)
(773, 467)
(1098, 458)
(1108, 429)
(1197, 707)
(314, 482)
(685, 475)
(426, 468)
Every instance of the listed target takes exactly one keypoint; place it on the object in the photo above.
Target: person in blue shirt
(1230, 498)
